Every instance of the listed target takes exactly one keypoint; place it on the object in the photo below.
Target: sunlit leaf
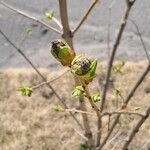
(26, 91)
(96, 98)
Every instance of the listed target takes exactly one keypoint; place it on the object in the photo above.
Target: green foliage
(49, 15)
(84, 147)
(96, 98)
(84, 67)
(118, 92)
(26, 91)
(136, 108)
(117, 68)
(28, 31)
(58, 108)
(78, 91)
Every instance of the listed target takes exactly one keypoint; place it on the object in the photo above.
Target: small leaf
(28, 31)
(78, 91)
(49, 15)
(117, 68)
(26, 91)
(136, 108)
(57, 108)
(84, 147)
(96, 98)
(118, 92)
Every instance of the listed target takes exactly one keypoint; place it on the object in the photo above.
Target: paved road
(91, 39)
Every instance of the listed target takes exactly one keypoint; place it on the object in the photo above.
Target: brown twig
(122, 26)
(67, 33)
(136, 129)
(29, 17)
(141, 39)
(85, 16)
(39, 73)
(47, 82)
(131, 93)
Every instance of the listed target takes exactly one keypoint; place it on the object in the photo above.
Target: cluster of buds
(80, 65)
(84, 68)
(62, 52)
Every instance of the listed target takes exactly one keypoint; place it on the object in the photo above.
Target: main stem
(68, 36)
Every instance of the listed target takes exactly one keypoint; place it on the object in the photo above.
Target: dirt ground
(32, 124)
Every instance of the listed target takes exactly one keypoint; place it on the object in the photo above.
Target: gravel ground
(90, 40)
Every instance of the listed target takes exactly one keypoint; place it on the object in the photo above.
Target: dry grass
(31, 124)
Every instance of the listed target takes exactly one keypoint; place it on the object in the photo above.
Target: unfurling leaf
(62, 52)
(136, 108)
(28, 31)
(118, 92)
(78, 91)
(96, 98)
(84, 147)
(117, 68)
(58, 108)
(49, 15)
(84, 68)
(26, 91)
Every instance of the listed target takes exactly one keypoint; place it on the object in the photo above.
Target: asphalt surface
(91, 39)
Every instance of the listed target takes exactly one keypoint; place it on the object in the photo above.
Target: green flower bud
(62, 52)
(84, 67)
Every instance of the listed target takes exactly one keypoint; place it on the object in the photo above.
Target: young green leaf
(84, 147)
(26, 91)
(96, 98)
(117, 68)
(49, 15)
(28, 31)
(78, 91)
(118, 92)
(57, 108)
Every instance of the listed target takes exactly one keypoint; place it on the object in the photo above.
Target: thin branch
(39, 73)
(141, 39)
(122, 26)
(121, 112)
(88, 95)
(109, 26)
(136, 129)
(67, 33)
(47, 82)
(81, 135)
(131, 93)
(85, 15)
(29, 17)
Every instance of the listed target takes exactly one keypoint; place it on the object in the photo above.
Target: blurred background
(91, 39)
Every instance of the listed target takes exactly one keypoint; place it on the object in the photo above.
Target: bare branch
(67, 33)
(131, 93)
(141, 38)
(115, 47)
(47, 82)
(121, 112)
(39, 73)
(85, 15)
(29, 17)
(136, 129)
